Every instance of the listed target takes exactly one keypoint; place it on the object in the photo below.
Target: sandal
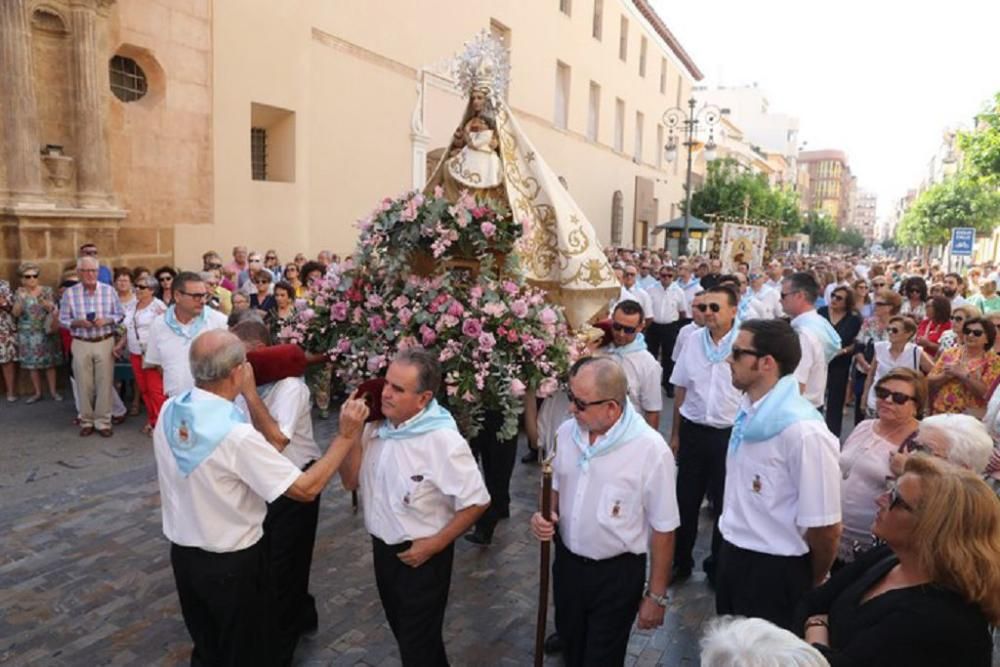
(147, 430)
(12, 399)
(34, 399)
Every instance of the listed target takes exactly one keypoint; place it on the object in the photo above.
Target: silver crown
(484, 64)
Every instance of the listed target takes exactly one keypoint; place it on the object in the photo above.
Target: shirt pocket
(758, 483)
(410, 492)
(616, 508)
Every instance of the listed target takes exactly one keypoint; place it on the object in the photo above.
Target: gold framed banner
(742, 243)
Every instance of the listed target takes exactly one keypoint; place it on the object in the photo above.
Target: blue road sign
(962, 240)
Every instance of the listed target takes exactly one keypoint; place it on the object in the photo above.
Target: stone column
(90, 85)
(20, 110)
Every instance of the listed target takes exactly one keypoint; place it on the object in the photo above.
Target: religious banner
(742, 243)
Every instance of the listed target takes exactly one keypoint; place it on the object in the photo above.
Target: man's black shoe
(531, 456)
(479, 538)
(553, 644)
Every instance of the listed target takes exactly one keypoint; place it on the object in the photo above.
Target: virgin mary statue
(492, 158)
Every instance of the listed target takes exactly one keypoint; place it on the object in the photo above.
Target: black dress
(919, 626)
(838, 372)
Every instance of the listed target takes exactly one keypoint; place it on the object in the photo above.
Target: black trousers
(701, 470)
(760, 585)
(414, 600)
(596, 603)
(836, 391)
(660, 340)
(224, 601)
(291, 529)
(497, 457)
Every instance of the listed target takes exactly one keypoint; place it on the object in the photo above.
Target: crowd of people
(877, 544)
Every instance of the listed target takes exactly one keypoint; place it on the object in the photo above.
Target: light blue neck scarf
(782, 407)
(629, 426)
(195, 427)
(819, 325)
(635, 346)
(194, 327)
(431, 418)
(717, 353)
(744, 308)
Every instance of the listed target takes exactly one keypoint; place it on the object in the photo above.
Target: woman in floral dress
(8, 341)
(38, 344)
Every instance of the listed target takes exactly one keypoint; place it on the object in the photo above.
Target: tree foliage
(821, 229)
(962, 200)
(981, 146)
(852, 239)
(727, 187)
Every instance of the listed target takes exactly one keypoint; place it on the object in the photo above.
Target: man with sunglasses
(170, 336)
(643, 371)
(705, 405)
(819, 341)
(780, 521)
(669, 309)
(630, 291)
(613, 503)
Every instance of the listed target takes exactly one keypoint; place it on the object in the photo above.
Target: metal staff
(543, 574)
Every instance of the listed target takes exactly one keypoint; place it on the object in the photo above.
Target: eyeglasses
(913, 291)
(198, 296)
(666, 275)
(974, 332)
(262, 282)
(30, 276)
(621, 327)
(142, 286)
(91, 253)
(878, 284)
(631, 273)
(702, 307)
(897, 397)
(957, 318)
(271, 257)
(582, 405)
(785, 295)
(255, 260)
(893, 330)
(836, 297)
(738, 353)
(896, 500)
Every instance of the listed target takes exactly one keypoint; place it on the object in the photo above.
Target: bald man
(617, 477)
(216, 474)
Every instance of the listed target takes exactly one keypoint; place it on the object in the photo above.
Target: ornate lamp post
(707, 117)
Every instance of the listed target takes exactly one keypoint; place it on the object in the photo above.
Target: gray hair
(28, 266)
(206, 276)
(428, 367)
(85, 260)
(609, 377)
(214, 355)
(753, 642)
(969, 443)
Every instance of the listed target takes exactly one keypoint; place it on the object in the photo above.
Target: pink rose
(427, 335)
(547, 387)
(338, 311)
(405, 315)
(488, 229)
(376, 323)
(456, 308)
(476, 292)
(344, 346)
(487, 342)
(517, 388)
(472, 328)
(510, 287)
(376, 363)
(519, 308)
(547, 316)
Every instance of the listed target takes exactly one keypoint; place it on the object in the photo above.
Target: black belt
(93, 340)
(597, 561)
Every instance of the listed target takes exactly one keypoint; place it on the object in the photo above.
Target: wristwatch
(660, 600)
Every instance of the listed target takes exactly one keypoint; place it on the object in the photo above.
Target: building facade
(829, 184)
(865, 217)
(161, 128)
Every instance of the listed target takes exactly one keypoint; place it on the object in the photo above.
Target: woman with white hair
(732, 641)
(958, 439)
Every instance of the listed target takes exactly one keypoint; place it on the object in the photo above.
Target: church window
(128, 81)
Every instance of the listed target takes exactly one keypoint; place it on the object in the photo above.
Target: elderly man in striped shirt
(92, 313)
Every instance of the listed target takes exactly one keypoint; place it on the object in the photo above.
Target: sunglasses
(878, 284)
(896, 500)
(30, 276)
(262, 282)
(785, 295)
(271, 257)
(836, 297)
(142, 286)
(629, 273)
(198, 296)
(893, 330)
(702, 307)
(666, 275)
(621, 327)
(957, 318)
(582, 405)
(882, 303)
(897, 397)
(165, 279)
(974, 332)
(738, 353)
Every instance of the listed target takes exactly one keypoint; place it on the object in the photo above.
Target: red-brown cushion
(277, 362)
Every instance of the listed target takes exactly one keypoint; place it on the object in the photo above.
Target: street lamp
(707, 117)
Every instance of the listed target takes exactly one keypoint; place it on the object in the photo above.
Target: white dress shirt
(138, 322)
(710, 399)
(812, 369)
(635, 294)
(667, 302)
(610, 508)
(411, 488)
(221, 505)
(290, 405)
(644, 374)
(683, 335)
(768, 301)
(690, 289)
(170, 351)
(777, 488)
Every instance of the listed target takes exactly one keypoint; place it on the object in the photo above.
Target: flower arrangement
(496, 336)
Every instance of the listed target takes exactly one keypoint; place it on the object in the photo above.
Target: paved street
(85, 576)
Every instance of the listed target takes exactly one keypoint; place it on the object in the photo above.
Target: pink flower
(512, 336)
(376, 323)
(438, 192)
(400, 301)
(344, 345)
(519, 308)
(487, 342)
(338, 312)
(376, 363)
(510, 287)
(472, 328)
(495, 309)
(517, 388)
(468, 397)
(488, 229)
(547, 316)
(307, 314)
(405, 315)
(456, 308)
(476, 292)
(427, 335)
(547, 387)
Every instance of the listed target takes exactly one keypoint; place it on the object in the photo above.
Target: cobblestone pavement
(85, 576)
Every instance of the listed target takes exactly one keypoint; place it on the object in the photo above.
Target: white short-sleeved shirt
(221, 505)
(777, 488)
(138, 322)
(768, 302)
(610, 508)
(170, 351)
(690, 290)
(635, 294)
(812, 368)
(289, 403)
(710, 399)
(643, 373)
(412, 487)
(667, 302)
(683, 336)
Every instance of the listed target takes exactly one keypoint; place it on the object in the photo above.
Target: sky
(878, 79)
